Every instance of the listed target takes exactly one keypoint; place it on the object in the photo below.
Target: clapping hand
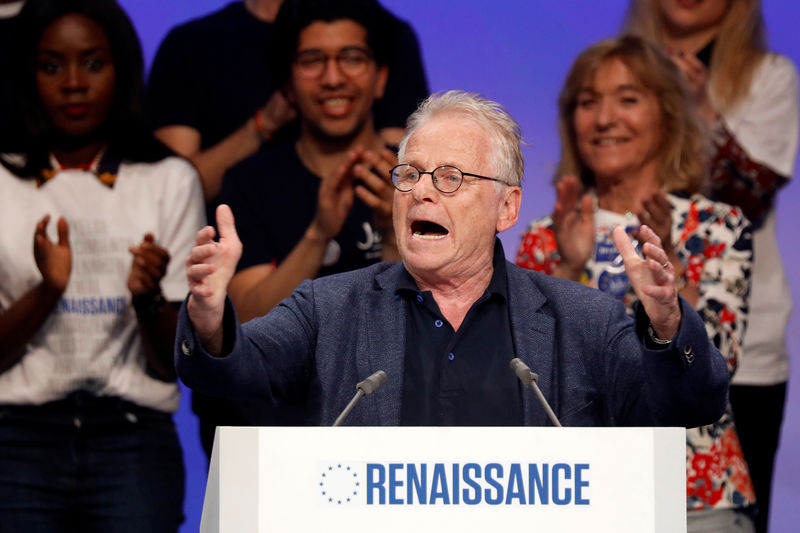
(148, 267)
(573, 227)
(377, 190)
(335, 199)
(656, 213)
(696, 75)
(54, 260)
(337, 191)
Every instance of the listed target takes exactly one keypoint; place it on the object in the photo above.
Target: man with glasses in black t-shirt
(320, 204)
(211, 97)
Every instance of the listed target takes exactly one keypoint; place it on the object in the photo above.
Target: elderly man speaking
(444, 323)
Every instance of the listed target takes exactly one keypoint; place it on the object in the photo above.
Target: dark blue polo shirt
(460, 378)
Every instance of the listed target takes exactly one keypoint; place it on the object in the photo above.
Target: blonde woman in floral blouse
(633, 153)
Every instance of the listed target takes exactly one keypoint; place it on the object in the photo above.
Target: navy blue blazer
(593, 365)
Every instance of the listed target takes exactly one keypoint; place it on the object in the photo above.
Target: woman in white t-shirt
(97, 221)
(748, 98)
(634, 153)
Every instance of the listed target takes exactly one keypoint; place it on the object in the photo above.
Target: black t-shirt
(274, 198)
(406, 86)
(212, 74)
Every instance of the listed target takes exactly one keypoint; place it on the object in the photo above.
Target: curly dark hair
(295, 15)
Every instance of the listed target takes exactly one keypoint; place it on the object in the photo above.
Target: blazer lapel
(533, 333)
(385, 317)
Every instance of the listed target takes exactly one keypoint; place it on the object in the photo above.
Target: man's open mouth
(426, 229)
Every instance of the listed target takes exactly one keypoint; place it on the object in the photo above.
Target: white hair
(503, 131)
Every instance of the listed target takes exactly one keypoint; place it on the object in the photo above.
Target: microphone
(363, 388)
(530, 379)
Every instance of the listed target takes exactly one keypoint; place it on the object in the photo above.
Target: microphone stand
(531, 379)
(363, 388)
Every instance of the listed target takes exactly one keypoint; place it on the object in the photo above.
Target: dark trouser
(87, 464)
(758, 413)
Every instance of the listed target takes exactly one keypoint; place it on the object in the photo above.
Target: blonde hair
(504, 132)
(740, 45)
(683, 154)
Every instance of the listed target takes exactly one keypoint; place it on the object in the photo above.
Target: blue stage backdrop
(517, 52)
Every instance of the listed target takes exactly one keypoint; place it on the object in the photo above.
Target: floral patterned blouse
(714, 242)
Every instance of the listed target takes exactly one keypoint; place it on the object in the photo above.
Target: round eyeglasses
(352, 61)
(446, 179)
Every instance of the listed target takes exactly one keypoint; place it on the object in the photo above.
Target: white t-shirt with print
(90, 341)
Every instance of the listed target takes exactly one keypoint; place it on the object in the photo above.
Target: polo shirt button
(419, 297)
(451, 356)
(185, 347)
(438, 323)
(688, 354)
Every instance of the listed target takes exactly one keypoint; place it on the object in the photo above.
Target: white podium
(393, 479)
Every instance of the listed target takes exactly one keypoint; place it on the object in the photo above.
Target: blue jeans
(88, 464)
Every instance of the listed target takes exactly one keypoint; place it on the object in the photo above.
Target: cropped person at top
(748, 97)
(633, 152)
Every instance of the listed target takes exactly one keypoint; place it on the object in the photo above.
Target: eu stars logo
(341, 484)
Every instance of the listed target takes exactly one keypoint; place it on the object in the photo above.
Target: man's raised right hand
(209, 267)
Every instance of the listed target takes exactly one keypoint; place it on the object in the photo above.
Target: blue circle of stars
(338, 469)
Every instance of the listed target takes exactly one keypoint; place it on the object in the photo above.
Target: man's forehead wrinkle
(456, 156)
(434, 163)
